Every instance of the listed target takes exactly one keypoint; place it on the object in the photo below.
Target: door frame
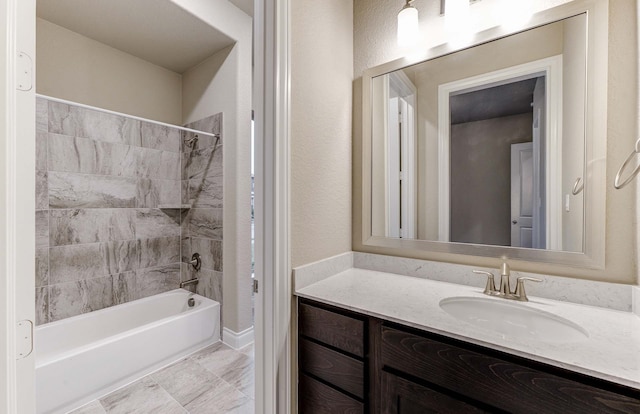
(17, 206)
(17, 189)
(274, 367)
(551, 67)
(399, 86)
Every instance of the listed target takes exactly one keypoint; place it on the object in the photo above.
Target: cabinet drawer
(500, 383)
(401, 396)
(340, 370)
(315, 397)
(334, 329)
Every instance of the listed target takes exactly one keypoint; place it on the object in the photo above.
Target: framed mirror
(497, 149)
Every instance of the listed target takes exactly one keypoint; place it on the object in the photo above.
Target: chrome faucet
(505, 289)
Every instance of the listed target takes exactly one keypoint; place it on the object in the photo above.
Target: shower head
(191, 142)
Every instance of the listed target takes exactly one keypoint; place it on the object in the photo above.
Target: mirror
(489, 150)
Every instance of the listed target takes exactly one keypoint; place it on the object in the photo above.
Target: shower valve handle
(196, 261)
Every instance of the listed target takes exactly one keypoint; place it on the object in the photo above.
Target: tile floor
(217, 379)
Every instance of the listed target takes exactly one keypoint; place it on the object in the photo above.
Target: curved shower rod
(137, 118)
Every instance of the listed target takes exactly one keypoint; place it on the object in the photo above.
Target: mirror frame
(593, 256)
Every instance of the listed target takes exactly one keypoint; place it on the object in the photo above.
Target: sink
(513, 320)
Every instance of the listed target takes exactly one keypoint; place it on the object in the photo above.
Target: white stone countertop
(611, 352)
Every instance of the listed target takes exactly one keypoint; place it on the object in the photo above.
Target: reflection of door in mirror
(398, 111)
(497, 141)
(497, 147)
(522, 195)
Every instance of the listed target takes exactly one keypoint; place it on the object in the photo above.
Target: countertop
(611, 351)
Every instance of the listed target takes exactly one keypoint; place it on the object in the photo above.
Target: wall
(374, 44)
(101, 238)
(481, 171)
(202, 189)
(321, 103)
(102, 235)
(73, 67)
(207, 89)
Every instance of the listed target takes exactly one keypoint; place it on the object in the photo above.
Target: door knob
(514, 221)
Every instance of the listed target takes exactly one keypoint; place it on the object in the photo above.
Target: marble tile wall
(101, 238)
(202, 188)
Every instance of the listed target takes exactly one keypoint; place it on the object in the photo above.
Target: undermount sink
(513, 320)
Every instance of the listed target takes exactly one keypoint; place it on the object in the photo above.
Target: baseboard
(237, 340)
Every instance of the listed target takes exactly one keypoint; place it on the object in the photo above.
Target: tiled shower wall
(202, 228)
(101, 238)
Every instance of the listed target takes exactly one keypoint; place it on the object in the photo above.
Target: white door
(401, 158)
(522, 196)
(17, 208)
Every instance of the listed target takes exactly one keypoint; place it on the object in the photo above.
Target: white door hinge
(24, 72)
(24, 339)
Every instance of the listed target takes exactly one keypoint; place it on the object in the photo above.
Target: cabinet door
(400, 396)
(315, 397)
(482, 376)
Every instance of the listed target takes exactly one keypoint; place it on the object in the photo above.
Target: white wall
(223, 84)
(321, 84)
(375, 43)
(73, 67)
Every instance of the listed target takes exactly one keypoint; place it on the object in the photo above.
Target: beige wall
(374, 44)
(73, 67)
(321, 82)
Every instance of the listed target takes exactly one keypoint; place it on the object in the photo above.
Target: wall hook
(578, 186)
(616, 183)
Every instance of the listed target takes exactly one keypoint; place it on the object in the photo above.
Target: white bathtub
(85, 357)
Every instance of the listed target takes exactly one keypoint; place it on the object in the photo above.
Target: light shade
(513, 14)
(408, 27)
(457, 16)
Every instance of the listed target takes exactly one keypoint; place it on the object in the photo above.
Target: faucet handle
(520, 293)
(490, 287)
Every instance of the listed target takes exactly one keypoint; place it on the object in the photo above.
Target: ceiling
(244, 5)
(504, 100)
(157, 31)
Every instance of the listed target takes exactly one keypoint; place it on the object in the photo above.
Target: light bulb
(408, 28)
(514, 14)
(457, 20)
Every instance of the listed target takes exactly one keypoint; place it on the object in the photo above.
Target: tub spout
(193, 281)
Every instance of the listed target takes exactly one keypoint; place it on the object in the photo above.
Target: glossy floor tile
(217, 379)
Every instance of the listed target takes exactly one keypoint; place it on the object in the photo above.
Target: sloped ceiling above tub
(157, 31)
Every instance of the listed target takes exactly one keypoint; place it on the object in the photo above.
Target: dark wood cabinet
(332, 360)
(349, 361)
(402, 396)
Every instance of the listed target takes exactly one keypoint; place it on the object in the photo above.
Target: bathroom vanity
(402, 354)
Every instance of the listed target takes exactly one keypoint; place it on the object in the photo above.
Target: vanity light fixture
(457, 21)
(513, 14)
(408, 28)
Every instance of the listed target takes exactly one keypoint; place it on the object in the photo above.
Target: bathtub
(85, 357)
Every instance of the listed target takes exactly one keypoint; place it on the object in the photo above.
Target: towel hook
(578, 186)
(616, 183)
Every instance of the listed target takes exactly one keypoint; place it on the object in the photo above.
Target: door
(401, 158)
(522, 179)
